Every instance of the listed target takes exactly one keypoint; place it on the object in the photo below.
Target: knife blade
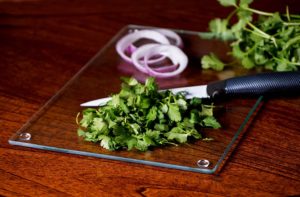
(269, 83)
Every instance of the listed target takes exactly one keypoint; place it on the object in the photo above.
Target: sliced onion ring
(140, 53)
(171, 34)
(129, 39)
(166, 68)
(167, 33)
(172, 52)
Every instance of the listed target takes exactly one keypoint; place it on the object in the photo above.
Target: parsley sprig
(272, 41)
(140, 116)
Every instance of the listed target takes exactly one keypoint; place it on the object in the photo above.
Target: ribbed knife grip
(265, 84)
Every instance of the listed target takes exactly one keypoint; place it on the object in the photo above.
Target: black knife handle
(270, 83)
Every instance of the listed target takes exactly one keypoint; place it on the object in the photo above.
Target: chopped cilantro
(140, 116)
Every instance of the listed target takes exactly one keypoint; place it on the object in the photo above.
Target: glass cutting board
(54, 127)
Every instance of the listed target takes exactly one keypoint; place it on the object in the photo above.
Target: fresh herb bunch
(272, 41)
(140, 116)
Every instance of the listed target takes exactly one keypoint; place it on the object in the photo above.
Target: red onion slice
(129, 39)
(171, 34)
(166, 68)
(140, 53)
(172, 52)
(130, 49)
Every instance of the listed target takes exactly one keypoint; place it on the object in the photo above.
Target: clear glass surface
(54, 127)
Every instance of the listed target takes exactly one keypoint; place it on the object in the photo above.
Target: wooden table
(44, 43)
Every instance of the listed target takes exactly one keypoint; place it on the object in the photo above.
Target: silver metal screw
(203, 163)
(25, 136)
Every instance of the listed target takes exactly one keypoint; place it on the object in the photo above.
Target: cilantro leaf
(210, 121)
(153, 134)
(220, 29)
(247, 62)
(182, 103)
(227, 3)
(99, 126)
(106, 142)
(177, 134)
(245, 3)
(174, 113)
(150, 84)
(212, 61)
(129, 81)
(88, 115)
(152, 114)
(80, 132)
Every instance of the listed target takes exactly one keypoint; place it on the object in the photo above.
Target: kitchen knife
(270, 83)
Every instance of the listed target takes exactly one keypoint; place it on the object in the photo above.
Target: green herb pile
(268, 41)
(140, 116)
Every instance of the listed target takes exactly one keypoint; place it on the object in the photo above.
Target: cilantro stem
(286, 61)
(290, 42)
(263, 33)
(259, 31)
(77, 117)
(256, 33)
(249, 51)
(258, 12)
(294, 16)
(232, 63)
(231, 15)
(269, 13)
(171, 143)
(288, 13)
(292, 23)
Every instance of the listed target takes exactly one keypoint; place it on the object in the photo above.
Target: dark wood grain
(44, 43)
